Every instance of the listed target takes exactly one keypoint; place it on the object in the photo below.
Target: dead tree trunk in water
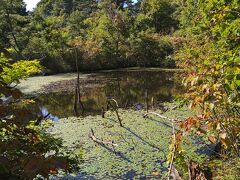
(146, 100)
(152, 102)
(78, 101)
(103, 112)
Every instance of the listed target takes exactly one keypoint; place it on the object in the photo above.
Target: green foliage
(225, 169)
(117, 38)
(50, 42)
(106, 33)
(13, 23)
(211, 55)
(29, 151)
(64, 7)
(149, 49)
(11, 73)
(26, 149)
(159, 14)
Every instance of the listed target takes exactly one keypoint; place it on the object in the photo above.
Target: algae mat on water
(142, 145)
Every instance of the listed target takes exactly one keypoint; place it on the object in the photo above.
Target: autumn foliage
(211, 57)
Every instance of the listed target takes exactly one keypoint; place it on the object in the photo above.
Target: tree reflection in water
(128, 88)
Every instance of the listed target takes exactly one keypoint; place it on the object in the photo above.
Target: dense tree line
(106, 34)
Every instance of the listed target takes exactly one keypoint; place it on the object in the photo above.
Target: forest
(120, 89)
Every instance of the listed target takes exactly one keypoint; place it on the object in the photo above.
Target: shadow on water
(127, 87)
(118, 154)
(129, 174)
(137, 136)
(144, 141)
(159, 122)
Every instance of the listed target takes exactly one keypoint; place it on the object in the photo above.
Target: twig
(97, 140)
(152, 102)
(109, 100)
(126, 104)
(174, 107)
(163, 117)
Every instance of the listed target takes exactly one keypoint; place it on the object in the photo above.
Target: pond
(129, 88)
(143, 141)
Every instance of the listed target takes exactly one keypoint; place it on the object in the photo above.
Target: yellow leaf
(155, 173)
(223, 135)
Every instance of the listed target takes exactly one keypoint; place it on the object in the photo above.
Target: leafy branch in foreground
(211, 55)
(26, 147)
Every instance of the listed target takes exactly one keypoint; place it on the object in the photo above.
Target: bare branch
(97, 140)
(163, 117)
(78, 100)
(115, 109)
(109, 100)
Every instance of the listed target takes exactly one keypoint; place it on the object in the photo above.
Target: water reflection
(128, 88)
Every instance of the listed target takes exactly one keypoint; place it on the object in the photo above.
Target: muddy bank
(68, 86)
(62, 84)
(34, 85)
(41, 84)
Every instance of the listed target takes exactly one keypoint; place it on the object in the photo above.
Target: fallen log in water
(97, 140)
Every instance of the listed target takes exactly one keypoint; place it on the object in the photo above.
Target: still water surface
(127, 87)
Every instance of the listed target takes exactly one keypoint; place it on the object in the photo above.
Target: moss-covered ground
(142, 144)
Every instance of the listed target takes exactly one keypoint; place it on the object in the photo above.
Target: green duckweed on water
(34, 85)
(142, 144)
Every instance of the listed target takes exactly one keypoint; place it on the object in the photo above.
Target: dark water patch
(127, 87)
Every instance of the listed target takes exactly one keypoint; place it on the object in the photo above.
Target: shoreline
(34, 85)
